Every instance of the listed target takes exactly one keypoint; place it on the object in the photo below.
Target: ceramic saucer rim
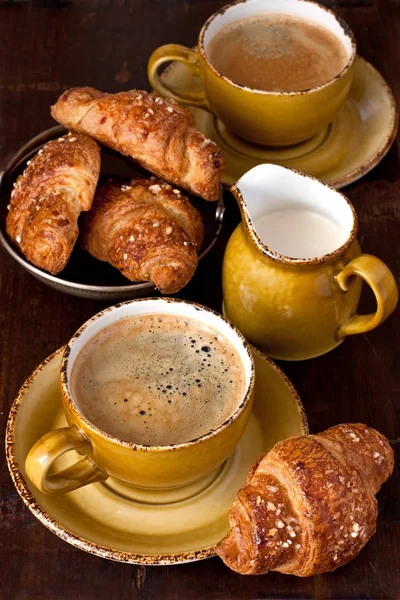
(74, 539)
(359, 172)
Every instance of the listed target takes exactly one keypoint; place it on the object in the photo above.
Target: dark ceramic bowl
(85, 276)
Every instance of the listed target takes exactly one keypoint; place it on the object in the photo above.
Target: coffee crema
(158, 379)
(277, 53)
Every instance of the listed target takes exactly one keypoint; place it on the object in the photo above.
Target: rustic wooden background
(47, 46)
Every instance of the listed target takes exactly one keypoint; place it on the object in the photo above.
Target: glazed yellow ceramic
(264, 118)
(149, 467)
(298, 308)
(358, 138)
(103, 519)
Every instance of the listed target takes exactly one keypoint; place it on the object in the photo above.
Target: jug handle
(378, 276)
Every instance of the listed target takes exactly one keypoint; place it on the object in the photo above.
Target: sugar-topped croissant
(147, 230)
(309, 504)
(157, 133)
(58, 183)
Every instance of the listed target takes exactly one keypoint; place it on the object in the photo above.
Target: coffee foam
(158, 379)
(277, 53)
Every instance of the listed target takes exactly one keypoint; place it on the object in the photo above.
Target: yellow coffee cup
(260, 117)
(146, 467)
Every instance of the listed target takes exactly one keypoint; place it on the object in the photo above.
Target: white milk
(299, 233)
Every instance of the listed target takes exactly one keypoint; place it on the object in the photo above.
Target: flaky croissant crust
(146, 229)
(58, 183)
(309, 504)
(158, 133)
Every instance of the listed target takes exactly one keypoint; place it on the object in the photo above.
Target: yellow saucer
(104, 520)
(353, 144)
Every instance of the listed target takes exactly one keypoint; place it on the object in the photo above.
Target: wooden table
(50, 45)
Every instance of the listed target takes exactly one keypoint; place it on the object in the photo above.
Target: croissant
(157, 133)
(48, 197)
(309, 504)
(147, 230)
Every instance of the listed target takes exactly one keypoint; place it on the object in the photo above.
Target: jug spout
(269, 188)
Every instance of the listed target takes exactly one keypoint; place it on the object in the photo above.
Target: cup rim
(288, 260)
(67, 395)
(346, 29)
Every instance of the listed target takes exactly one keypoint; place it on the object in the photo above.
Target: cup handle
(46, 451)
(378, 276)
(176, 52)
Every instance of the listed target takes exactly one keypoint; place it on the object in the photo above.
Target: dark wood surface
(47, 46)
